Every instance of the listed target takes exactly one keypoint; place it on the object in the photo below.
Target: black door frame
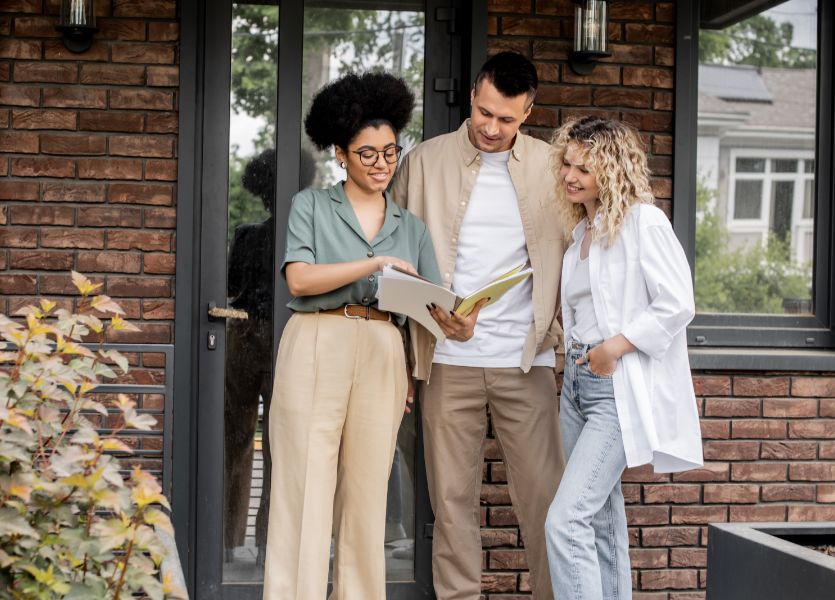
(456, 44)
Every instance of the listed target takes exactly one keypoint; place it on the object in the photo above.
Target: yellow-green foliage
(71, 526)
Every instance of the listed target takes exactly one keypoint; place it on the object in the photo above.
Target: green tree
(354, 39)
(752, 279)
(759, 41)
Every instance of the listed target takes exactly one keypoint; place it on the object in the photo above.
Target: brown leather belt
(358, 311)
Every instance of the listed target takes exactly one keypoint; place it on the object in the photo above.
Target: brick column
(89, 158)
(88, 146)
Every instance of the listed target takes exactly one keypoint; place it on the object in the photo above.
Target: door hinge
(446, 14)
(450, 86)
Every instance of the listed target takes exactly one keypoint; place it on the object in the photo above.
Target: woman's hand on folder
(454, 326)
(383, 261)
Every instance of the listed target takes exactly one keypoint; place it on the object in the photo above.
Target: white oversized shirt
(641, 288)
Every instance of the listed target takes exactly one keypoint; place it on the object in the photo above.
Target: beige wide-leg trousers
(525, 415)
(338, 399)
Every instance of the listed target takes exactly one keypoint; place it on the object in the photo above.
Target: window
(754, 196)
(771, 198)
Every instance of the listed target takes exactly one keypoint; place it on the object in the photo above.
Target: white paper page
(409, 296)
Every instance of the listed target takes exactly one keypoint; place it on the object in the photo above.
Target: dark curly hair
(345, 106)
(258, 177)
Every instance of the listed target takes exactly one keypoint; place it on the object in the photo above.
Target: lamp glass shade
(590, 26)
(77, 13)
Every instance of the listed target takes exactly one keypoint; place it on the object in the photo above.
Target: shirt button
(473, 171)
(370, 253)
(371, 278)
(365, 300)
(463, 202)
(454, 240)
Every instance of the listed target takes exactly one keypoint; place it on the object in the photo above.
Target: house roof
(772, 97)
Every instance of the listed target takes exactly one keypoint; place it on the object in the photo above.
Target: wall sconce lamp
(591, 28)
(78, 24)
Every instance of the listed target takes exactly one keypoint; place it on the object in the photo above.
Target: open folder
(402, 292)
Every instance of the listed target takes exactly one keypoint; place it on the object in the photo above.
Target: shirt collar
(346, 212)
(580, 229)
(469, 153)
(337, 194)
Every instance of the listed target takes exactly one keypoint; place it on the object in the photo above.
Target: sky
(803, 14)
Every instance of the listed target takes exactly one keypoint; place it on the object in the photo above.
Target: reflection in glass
(339, 39)
(251, 245)
(782, 198)
(784, 165)
(750, 165)
(336, 39)
(748, 199)
(756, 146)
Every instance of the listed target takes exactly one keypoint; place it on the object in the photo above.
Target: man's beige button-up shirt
(435, 181)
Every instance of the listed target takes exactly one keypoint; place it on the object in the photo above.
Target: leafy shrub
(71, 524)
(757, 278)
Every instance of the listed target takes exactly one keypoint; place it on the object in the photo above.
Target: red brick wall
(88, 159)
(634, 85)
(87, 181)
(769, 438)
(88, 147)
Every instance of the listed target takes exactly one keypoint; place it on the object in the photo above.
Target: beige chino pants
(338, 399)
(525, 416)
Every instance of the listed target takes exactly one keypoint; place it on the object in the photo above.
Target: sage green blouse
(322, 229)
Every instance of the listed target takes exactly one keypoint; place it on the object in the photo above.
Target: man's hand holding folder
(411, 295)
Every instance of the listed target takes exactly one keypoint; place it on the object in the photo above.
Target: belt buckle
(367, 316)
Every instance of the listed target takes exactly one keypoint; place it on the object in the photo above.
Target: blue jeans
(587, 541)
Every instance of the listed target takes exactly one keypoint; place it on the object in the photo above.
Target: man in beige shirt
(486, 193)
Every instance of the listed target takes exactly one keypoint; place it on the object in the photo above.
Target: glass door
(263, 64)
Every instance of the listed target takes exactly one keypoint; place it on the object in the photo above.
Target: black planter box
(769, 561)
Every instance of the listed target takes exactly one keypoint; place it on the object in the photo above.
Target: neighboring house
(756, 149)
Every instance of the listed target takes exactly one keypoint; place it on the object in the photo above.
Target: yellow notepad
(493, 290)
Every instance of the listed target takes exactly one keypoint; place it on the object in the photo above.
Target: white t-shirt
(578, 297)
(490, 243)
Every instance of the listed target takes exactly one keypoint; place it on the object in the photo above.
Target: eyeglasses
(369, 156)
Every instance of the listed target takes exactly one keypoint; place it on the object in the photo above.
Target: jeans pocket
(597, 375)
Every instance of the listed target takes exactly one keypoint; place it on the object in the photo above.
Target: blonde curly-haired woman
(627, 396)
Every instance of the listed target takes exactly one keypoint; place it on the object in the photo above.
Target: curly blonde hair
(613, 152)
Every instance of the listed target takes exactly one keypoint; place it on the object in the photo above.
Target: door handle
(216, 312)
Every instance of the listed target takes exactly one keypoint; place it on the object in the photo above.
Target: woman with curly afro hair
(627, 396)
(341, 381)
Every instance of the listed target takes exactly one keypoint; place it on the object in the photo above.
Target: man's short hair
(511, 73)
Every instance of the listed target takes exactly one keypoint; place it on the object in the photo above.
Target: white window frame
(761, 225)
